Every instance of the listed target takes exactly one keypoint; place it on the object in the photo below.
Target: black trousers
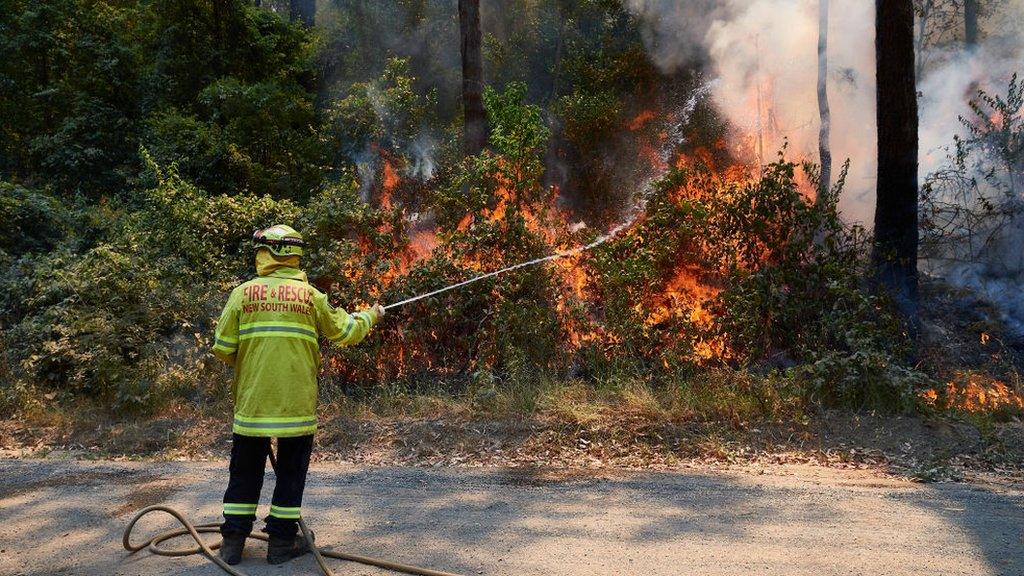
(248, 461)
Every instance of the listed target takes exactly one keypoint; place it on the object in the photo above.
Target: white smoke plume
(763, 57)
(673, 31)
(989, 260)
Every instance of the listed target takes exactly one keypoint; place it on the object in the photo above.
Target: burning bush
(721, 267)
(731, 268)
(978, 394)
(491, 211)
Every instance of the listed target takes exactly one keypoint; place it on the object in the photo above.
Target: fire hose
(153, 544)
(561, 254)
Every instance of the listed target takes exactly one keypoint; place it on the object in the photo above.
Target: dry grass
(718, 415)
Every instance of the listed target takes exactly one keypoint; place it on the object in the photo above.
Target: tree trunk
(555, 175)
(824, 150)
(896, 234)
(303, 11)
(475, 135)
(971, 23)
(923, 21)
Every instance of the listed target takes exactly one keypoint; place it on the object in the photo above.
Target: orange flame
(391, 181)
(682, 307)
(640, 119)
(976, 396)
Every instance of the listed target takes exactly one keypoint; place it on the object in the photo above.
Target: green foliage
(387, 111)
(232, 102)
(332, 221)
(518, 133)
(511, 170)
(861, 379)
(122, 320)
(70, 77)
(589, 118)
(208, 232)
(89, 323)
(219, 86)
(247, 138)
(806, 299)
(35, 220)
(190, 44)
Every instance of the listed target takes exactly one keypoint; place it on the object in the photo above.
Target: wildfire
(641, 119)
(680, 308)
(685, 297)
(997, 119)
(391, 181)
(422, 244)
(976, 395)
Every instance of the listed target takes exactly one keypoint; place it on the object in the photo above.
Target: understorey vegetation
(142, 143)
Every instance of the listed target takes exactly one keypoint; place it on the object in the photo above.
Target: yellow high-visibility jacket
(269, 330)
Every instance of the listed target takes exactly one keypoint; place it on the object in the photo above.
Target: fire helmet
(281, 240)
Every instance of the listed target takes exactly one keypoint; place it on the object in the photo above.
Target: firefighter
(269, 331)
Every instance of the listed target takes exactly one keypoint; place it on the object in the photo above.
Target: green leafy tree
(70, 77)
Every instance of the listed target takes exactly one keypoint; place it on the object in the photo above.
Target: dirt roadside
(923, 449)
(67, 517)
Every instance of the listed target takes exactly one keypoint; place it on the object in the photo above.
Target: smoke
(763, 57)
(987, 254)
(956, 75)
(422, 151)
(674, 31)
(425, 32)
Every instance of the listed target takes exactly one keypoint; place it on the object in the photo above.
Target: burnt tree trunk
(971, 23)
(895, 252)
(303, 11)
(824, 151)
(474, 117)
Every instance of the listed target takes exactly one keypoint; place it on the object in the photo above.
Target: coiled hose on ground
(153, 544)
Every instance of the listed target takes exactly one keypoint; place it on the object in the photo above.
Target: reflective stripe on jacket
(269, 330)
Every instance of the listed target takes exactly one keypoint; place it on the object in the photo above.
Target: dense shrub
(755, 272)
(123, 320)
(36, 221)
(95, 323)
(256, 138)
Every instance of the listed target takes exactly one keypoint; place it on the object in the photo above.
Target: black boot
(281, 550)
(231, 548)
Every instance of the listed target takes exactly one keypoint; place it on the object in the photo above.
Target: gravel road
(66, 517)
